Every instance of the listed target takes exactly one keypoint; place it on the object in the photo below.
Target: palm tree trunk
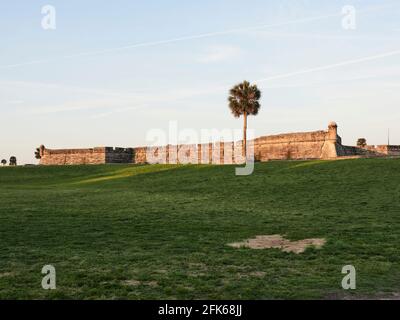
(244, 136)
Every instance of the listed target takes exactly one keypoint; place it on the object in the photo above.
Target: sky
(113, 71)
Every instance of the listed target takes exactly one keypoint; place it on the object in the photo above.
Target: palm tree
(13, 161)
(4, 162)
(244, 100)
(362, 142)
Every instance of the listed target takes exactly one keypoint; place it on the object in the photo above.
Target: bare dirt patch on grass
(278, 242)
(7, 274)
(255, 274)
(136, 283)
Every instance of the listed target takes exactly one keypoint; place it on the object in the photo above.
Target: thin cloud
(220, 54)
(119, 110)
(55, 86)
(78, 105)
(14, 102)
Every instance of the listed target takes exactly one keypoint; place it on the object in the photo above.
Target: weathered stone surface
(73, 156)
(295, 146)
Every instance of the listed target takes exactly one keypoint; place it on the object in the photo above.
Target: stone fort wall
(99, 155)
(293, 146)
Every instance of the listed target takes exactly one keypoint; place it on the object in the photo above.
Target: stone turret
(332, 131)
(41, 150)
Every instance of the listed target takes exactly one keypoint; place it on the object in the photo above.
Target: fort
(324, 144)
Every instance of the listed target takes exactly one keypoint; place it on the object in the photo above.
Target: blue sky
(112, 71)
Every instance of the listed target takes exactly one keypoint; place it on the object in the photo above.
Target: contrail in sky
(186, 38)
(173, 40)
(330, 66)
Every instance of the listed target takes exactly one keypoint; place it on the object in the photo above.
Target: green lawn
(161, 232)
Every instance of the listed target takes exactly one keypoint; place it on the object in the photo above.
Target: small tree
(362, 142)
(4, 162)
(13, 161)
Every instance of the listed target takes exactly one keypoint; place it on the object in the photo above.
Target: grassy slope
(168, 227)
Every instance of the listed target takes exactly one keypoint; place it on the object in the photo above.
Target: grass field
(161, 232)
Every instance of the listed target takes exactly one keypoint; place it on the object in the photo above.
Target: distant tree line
(11, 162)
(13, 159)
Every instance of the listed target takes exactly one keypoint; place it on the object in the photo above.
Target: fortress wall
(308, 145)
(344, 151)
(207, 153)
(289, 151)
(99, 155)
(393, 150)
(185, 154)
(139, 155)
(229, 153)
(292, 137)
(388, 150)
(295, 146)
(118, 155)
(369, 151)
(305, 145)
(72, 156)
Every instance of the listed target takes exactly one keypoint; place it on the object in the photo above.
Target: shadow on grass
(122, 173)
(310, 163)
(135, 170)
